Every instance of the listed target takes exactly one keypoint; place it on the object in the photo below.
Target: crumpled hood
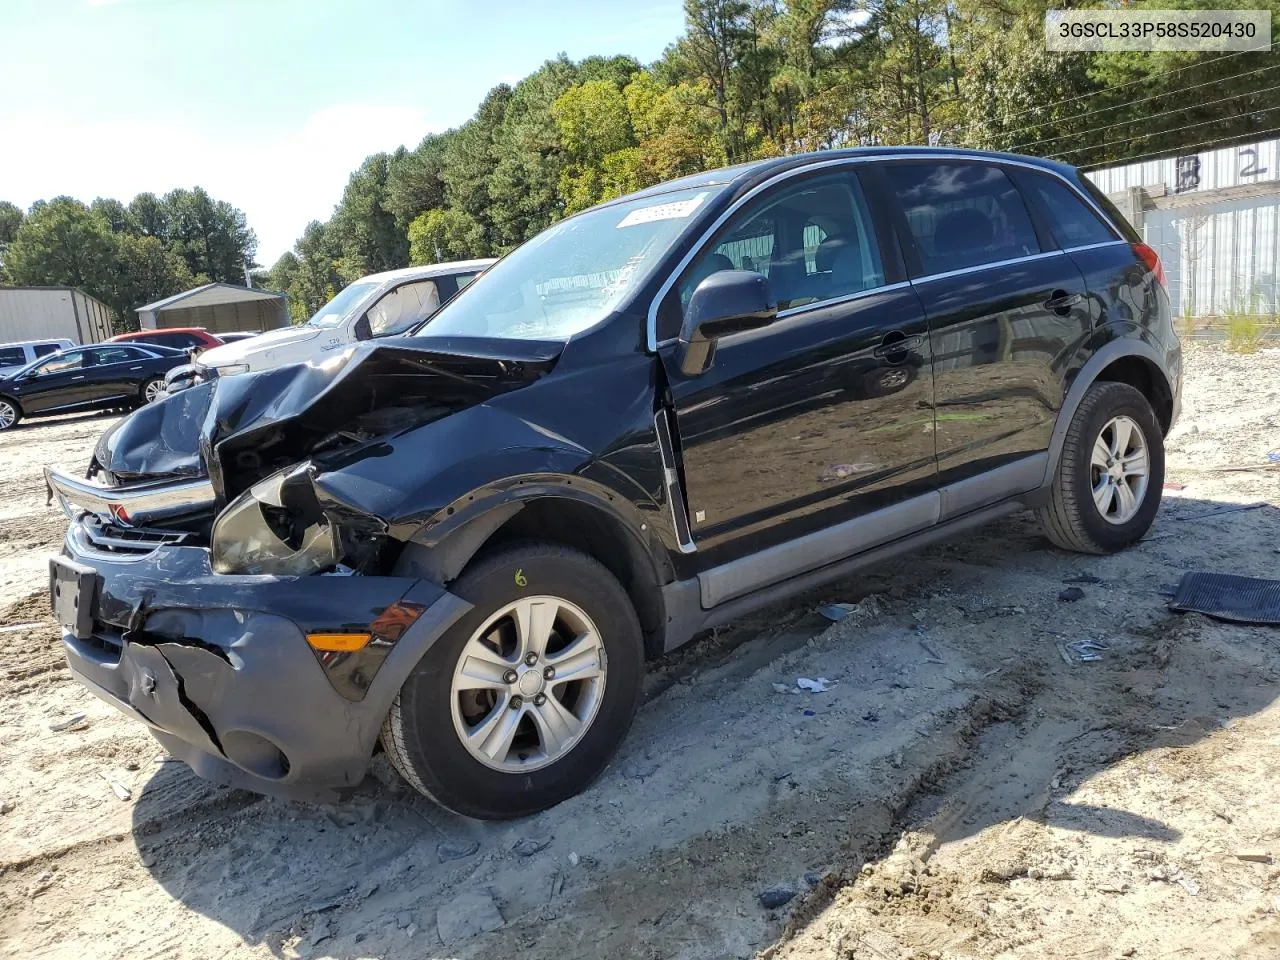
(241, 428)
(242, 350)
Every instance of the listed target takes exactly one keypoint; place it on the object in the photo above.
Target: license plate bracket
(73, 593)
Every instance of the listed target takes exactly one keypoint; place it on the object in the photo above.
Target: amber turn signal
(337, 642)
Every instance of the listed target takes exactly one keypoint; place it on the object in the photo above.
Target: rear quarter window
(1073, 223)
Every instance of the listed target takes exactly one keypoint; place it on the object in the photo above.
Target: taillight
(1152, 260)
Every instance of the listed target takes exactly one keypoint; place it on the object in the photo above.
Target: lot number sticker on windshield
(676, 210)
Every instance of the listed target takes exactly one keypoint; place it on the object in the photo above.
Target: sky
(267, 104)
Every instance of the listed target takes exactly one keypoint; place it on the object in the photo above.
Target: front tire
(522, 703)
(1107, 487)
(10, 413)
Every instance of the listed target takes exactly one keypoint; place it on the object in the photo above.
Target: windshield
(331, 314)
(572, 275)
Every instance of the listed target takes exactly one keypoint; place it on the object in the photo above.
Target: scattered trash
(14, 628)
(1167, 874)
(1168, 589)
(1254, 856)
(813, 686)
(1274, 455)
(1081, 651)
(835, 612)
(809, 713)
(1227, 597)
(777, 896)
(1082, 578)
(782, 688)
(456, 851)
(1174, 485)
(528, 846)
(1070, 595)
(841, 471)
(165, 758)
(1112, 888)
(574, 859)
(118, 788)
(1233, 508)
(933, 654)
(78, 722)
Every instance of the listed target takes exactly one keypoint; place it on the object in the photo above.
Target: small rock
(1112, 887)
(403, 919)
(323, 930)
(781, 688)
(77, 722)
(131, 765)
(147, 859)
(466, 916)
(119, 789)
(456, 851)
(639, 769)
(896, 759)
(776, 896)
(1254, 856)
(813, 877)
(574, 859)
(528, 846)
(1071, 594)
(6, 806)
(410, 930)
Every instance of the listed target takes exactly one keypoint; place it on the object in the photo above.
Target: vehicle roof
(133, 334)
(750, 173)
(27, 343)
(429, 270)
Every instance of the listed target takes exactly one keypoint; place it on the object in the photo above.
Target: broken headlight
(275, 527)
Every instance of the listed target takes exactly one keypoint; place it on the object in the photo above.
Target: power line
(1151, 116)
(1171, 152)
(1155, 133)
(1130, 83)
(1134, 103)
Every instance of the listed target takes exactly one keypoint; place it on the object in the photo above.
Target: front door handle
(896, 345)
(81, 377)
(1061, 302)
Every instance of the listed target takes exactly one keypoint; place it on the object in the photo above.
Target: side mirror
(363, 330)
(727, 302)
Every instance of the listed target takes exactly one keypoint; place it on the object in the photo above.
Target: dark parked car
(187, 339)
(656, 416)
(86, 378)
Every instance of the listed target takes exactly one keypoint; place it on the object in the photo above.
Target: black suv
(653, 417)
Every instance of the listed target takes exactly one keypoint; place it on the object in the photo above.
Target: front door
(57, 382)
(1006, 308)
(823, 415)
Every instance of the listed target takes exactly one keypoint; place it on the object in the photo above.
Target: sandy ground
(959, 791)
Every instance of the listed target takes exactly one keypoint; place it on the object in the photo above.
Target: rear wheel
(521, 703)
(152, 390)
(9, 413)
(1108, 484)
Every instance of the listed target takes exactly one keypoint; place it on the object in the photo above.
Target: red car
(183, 338)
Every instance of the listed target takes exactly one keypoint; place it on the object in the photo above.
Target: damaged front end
(214, 571)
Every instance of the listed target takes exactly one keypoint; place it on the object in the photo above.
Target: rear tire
(10, 413)
(484, 731)
(1107, 487)
(152, 390)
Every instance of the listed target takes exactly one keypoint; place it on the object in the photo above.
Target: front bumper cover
(220, 669)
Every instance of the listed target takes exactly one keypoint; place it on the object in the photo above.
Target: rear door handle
(1061, 301)
(81, 377)
(897, 343)
(135, 368)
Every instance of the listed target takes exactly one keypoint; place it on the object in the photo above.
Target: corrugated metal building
(219, 308)
(36, 313)
(1214, 218)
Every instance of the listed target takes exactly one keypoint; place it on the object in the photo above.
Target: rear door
(1006, 309)
(827, 413)
(114, 372)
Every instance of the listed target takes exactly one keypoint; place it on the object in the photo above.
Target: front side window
(575, 273)
(402, 307)
(1073, 224)
(813, 239)
(962, 215)
(59, 364)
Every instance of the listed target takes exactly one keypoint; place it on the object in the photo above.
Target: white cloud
(281, 177)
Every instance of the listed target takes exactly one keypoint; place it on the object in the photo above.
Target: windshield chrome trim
(651, 318)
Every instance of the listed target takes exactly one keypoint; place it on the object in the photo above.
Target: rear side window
(44, 349)
(962, 215)
(12, 357)
(105, 355)
(179, 340)
(1072, 222)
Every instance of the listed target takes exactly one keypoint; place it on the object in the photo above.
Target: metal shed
(219, 308)
(34, 313)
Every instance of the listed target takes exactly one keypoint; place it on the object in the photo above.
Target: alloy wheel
(1118, 470)
(528, 684)
(153, 391)
(8, 415)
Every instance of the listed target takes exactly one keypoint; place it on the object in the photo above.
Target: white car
(15, 356)
(379, 305)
